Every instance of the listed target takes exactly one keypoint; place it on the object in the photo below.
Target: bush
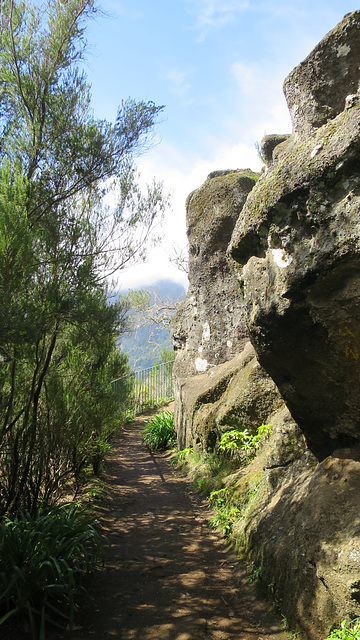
(347, 631)
(182, 455)
(159, 433)
(235, 442)
(225, 515)
(43, 559)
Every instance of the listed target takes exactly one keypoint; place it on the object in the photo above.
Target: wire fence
(145, 389)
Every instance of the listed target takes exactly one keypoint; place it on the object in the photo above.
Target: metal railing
(145, 389)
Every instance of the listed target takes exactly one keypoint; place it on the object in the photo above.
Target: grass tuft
(159, 434)
(347, 631)
(43, 560)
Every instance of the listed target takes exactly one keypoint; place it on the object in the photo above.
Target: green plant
(205, 469)
(347, 631)
(59, 240)
(218, 497)
(254, 573)
(167, 355)
(182, 455)
(99, 448)
(225, 515)
(43, 560)
(235, 442)
(159, 433)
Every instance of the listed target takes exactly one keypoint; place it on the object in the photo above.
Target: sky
(218, 67)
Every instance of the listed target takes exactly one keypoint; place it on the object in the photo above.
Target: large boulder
(317, 89)
(302, 530)
(237, 394)
(209, 327)
(296, 248)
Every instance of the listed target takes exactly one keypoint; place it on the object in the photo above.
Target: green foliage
(254, 573)
(43, 560)
(167, 355)
(225, 515)
(347, 631)
(159, 433)
(229, 507)
(210, 471)
(182, 455)
(58, 243)
(234, 442)
(205, 469)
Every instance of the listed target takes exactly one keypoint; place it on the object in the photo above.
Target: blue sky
(218, 66)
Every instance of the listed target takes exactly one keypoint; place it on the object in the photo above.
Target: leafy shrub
(159, 433)
(182, 455)
(234, 442)
(254, 573)
(225, 515)
(347, 631)
(43, 559)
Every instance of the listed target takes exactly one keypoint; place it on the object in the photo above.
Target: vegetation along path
(167, 576)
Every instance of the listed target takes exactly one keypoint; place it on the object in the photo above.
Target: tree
(167, 355)
(150, 307)
(150, 311)
(58, 245)
(180, 258)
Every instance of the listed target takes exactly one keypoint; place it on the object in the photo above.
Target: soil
(167, 576)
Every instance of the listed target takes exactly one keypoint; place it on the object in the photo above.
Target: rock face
(303, 529)
(296, 247)
(268, 145)
(237, 394)
(209, 327)
(320, 87)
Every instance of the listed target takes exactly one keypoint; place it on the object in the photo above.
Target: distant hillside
(144, 346)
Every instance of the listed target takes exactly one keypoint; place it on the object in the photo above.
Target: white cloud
(215, 13)
(261, 112)
(181, 175)
(246, 77)
(259, 106)
(178, 82)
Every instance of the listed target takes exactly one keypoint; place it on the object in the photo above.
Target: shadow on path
(167, 576)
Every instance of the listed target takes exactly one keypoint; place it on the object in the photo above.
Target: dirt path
(168, 577)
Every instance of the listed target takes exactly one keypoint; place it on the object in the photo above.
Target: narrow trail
(167, 576)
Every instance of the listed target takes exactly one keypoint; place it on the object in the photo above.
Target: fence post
(144, 389)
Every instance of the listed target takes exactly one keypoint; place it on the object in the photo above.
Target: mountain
(144, 346)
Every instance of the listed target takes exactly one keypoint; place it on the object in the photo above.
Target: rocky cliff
(291, 284)
(209, 327)
(296, 247)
